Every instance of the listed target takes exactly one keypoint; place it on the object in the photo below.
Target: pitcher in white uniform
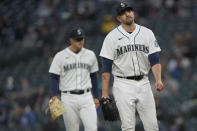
(74, 71)
(129, 52)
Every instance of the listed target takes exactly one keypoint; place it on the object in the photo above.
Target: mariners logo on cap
(122, 5)
(79, 32)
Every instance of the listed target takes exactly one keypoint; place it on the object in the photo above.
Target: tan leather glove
(56, 108)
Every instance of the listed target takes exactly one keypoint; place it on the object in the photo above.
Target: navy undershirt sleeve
(94, 82)
(54, 84)
(106, 65)
(154, 58)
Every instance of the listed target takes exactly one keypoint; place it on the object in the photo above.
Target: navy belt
(137, 78)
(78, 92)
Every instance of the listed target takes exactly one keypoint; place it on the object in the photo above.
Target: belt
(137, 78)
(78, 92)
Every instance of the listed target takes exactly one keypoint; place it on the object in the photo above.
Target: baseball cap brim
(121, 10)
(78, 37)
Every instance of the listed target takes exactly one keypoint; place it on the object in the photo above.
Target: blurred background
(32, 31)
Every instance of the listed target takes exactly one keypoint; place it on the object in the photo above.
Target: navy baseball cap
(77, 33)
(122, 7)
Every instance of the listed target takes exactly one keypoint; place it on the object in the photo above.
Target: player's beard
(129, 21)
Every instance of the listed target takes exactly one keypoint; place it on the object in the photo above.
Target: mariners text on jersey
(74, 69)
(130, 54)
(77, 65)
(136, 47)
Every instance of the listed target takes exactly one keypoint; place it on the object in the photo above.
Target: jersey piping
(131, 55)
(136, 51)
(122, 33)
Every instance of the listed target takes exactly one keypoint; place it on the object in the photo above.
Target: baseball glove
(109, 109)
(56, 108)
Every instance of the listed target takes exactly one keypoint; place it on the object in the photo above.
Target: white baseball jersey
(74, 69)
(129, 51)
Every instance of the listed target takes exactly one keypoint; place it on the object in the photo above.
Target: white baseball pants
(79, 108)
(131, 95)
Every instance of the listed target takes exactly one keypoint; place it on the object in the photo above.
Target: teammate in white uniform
(129, 51)
(74, 71)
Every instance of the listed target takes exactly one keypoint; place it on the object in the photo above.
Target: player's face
(127, 17)
(77, 43)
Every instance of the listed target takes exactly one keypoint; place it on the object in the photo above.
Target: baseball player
(129, 51)
(74, 71)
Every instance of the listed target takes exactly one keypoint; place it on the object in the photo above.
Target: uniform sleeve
(94, 67)
(153, 44)
(55, 67)
(106, 65)
(94, 81)
(107, 50)
(54, 84)
(154, 58)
